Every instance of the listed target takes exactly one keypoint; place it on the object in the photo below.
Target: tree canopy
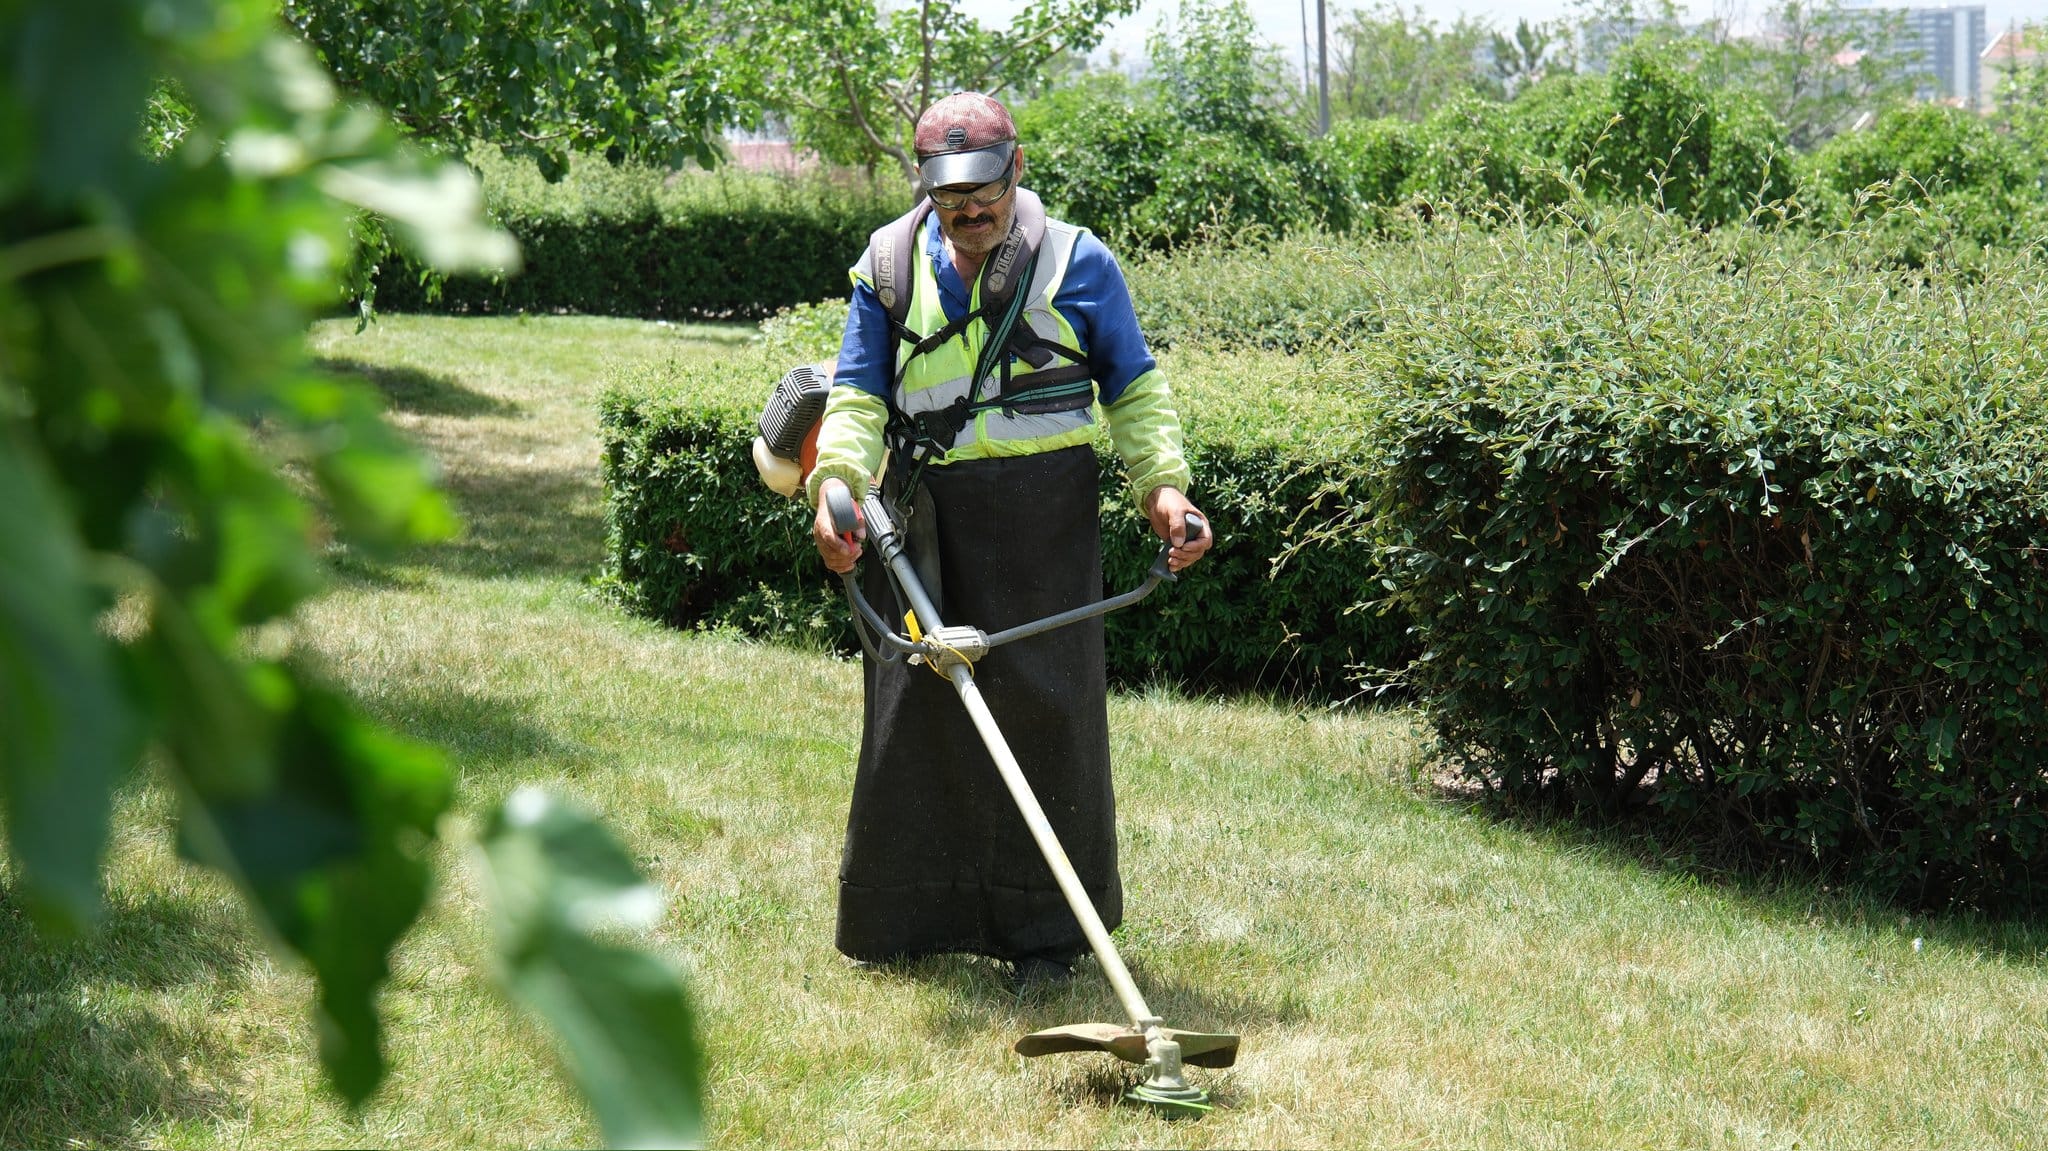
(851, 76)
(540, 78)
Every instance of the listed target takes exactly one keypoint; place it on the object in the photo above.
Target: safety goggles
(953, 199)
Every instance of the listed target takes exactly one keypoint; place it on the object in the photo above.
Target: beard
(979, 241)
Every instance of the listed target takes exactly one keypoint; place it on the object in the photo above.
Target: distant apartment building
(1939, 48)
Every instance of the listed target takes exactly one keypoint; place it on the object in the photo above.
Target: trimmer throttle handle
(1193, 527)
(845, 518)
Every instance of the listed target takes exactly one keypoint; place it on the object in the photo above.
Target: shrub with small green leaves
(1367, 162)
(1647, 131)
(1734, 526)
(1292, 294)
(1931, 161)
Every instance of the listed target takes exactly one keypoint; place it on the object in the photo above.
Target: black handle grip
(1193, 527)
(839, 502)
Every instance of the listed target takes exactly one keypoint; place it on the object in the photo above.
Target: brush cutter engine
(787, 448)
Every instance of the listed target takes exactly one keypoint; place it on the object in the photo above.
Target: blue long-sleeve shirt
(1092, 297)
(1096, 304)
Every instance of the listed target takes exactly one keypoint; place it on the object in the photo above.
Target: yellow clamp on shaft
(917, 636)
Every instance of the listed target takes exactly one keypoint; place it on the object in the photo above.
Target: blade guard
(1198, 1049)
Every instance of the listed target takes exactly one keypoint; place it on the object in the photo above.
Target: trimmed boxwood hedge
(632, 241)
(693, 538)
(1750, 530)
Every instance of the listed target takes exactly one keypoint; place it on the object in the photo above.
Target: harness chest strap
(1004, 293)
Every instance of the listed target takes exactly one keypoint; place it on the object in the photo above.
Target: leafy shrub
(1924, 149)
(805, 332)
(1979, 183)
(1733, 526)
(1197, 150)
(632, 241)
(1288, 295)
(693, 538)
(1753, 167)
(1469, 155)
(1660, 145)
(1369, 158)
(1647, 131)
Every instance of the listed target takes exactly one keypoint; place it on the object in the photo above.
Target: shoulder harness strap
(1006, 275)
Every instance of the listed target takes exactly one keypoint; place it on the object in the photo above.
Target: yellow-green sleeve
(849, 440)
(1145, 430)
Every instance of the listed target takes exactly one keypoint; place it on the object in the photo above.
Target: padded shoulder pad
(892, 247)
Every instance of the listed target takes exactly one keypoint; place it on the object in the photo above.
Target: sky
(1280, 21)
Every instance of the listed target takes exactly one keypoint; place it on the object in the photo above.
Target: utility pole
(1305, 74)
(1323, 61)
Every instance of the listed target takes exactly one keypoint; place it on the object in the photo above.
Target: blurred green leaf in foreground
(159, 432)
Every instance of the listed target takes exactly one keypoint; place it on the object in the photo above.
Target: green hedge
(1117, 157)
(1305, 292)
(1745, 528)
(1932, 175)
(694, 539)
(631, 241)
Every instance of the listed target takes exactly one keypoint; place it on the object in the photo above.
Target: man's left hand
(1169, 510)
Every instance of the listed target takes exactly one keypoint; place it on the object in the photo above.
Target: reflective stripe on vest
(939, 378)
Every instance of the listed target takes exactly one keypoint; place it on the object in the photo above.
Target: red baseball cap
(966, 138)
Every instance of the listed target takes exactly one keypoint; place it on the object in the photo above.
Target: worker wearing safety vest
(981, 342)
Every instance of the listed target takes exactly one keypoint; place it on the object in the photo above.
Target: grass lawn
(1404, 970)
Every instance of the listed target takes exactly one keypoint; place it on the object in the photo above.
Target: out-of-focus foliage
(850, 77)
(539, 78)
(1390, 61)
(177, 184)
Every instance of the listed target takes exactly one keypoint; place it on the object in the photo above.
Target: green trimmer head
(1162, 1050)
(1173, 1103)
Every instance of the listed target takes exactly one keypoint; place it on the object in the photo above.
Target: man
(981, 337)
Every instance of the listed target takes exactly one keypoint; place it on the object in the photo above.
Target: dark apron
(937, 858)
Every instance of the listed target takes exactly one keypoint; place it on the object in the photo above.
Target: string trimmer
(953, 651)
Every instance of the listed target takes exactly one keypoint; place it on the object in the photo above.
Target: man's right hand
(838, 553)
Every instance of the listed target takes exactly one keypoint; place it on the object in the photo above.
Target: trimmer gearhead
(1171, 1102)
(1162, 1050)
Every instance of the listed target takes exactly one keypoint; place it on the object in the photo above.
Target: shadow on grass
(544, 523)
(984, 1008)
(417, 392)
(525, 523)
(84, 1060)
(1781, 889)
(483, 735)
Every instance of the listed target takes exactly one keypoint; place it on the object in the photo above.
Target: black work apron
(937, 857)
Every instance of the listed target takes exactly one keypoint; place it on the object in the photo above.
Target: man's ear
(1018, 159)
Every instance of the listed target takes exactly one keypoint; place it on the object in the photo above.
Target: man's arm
(850, 441)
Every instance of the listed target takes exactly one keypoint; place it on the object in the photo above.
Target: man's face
(978, 229)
